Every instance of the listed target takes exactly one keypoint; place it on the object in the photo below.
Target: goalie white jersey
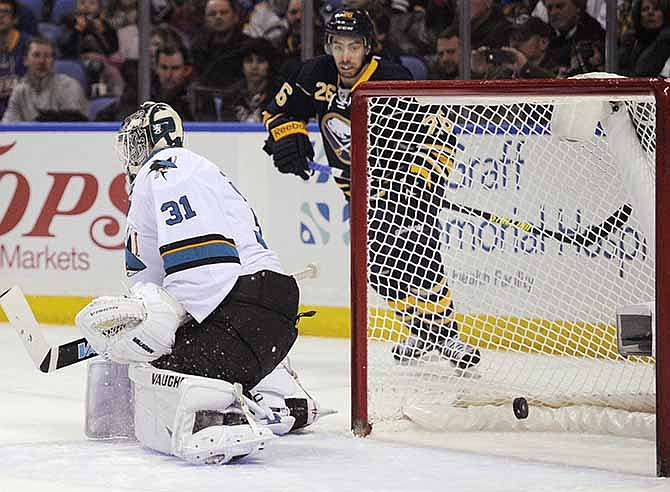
(190, 231)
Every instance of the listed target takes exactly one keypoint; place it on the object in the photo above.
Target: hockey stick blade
(67, 354)
(615, 221)
(46, 358)
(594, 232)
(585, 239)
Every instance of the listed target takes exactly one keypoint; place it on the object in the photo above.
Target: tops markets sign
(61, 216)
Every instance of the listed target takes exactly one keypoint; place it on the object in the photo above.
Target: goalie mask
(152, 127)
(351, 22)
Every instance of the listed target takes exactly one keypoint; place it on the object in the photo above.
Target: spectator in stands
(381, 46)
(43, 95)
(290, 46)
(595, 8)
(216, 49)
(188, 18)
(524, 58)
(267, 20)
(571, 25)
(90, 38)
(528, 43)
(489, 27)
(247, 99)
(645, 50)
(445, 64)
(174, 69)
(625, 18)
(121, 13)
(85, 31)
(294, 14)
(161, 37)
(440, 15)
(408, 33)
(13, 44)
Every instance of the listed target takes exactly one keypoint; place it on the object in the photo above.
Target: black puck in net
(520, 407)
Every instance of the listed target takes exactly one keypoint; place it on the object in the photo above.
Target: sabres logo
(337, 130)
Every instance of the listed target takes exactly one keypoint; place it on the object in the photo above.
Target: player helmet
(351, 22)
(152, 127)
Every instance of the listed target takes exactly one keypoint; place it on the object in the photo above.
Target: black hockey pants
(245, 337)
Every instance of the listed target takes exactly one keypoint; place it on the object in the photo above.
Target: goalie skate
(459, 354)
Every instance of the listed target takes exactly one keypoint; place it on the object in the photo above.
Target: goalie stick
(49, 358)
(586, 238)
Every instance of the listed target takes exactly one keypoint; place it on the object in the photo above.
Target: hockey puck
(520, 407)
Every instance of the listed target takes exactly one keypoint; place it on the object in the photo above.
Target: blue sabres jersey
(316, 91)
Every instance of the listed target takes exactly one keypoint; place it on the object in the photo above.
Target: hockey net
(538, 304)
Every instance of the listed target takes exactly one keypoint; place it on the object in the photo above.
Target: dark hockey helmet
(351, 22)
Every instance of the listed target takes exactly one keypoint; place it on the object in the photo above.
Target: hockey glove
(289, 146)
(136, 328)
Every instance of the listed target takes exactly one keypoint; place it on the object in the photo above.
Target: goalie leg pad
(216, 444)
(173, 415)
(109, 401)
(156, 395)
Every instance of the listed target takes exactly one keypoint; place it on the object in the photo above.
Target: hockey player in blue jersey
(406, 266)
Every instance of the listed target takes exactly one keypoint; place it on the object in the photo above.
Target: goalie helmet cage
(496, 110)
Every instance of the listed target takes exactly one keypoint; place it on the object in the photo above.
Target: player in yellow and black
(406, 267)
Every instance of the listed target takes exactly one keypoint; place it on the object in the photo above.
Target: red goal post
(526, 91)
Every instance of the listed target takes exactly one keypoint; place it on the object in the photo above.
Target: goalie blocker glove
(289, 146)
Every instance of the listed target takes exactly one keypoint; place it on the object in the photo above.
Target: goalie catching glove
(136, 328)
(289, 146)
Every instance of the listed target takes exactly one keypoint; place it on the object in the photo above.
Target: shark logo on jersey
(161, 166)
(133, 262)
(337, 130)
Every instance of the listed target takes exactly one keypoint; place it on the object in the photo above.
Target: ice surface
(43, 448)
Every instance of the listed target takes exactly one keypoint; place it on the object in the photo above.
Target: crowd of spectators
(222, 60)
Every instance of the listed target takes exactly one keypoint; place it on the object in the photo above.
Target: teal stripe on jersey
(198, 255)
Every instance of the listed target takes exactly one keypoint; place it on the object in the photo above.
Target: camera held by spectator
(499, 56)
(587, 56)
(496, 63)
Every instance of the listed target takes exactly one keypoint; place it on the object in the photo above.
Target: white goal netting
(517, 226)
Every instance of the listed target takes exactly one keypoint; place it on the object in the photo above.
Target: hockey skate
(460, 354)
